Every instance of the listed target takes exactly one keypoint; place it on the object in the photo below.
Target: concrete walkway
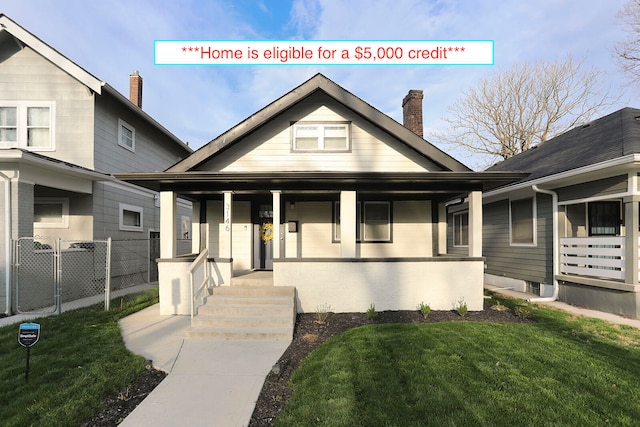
(210, 382)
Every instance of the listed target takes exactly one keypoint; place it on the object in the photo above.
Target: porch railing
(602, 257)
(200, 268)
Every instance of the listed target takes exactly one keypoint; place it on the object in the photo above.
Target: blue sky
(111, 38)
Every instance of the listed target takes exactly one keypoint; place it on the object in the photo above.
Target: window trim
(360, 221)
(534, 222)
(63, 201)
(131, 208)
(22, 128)
(123, 124)
(320, 148)
(458, 233)
(364, 222)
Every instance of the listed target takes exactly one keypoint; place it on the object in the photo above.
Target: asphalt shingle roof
(606, 138)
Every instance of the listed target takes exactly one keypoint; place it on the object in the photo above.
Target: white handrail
(206, 281)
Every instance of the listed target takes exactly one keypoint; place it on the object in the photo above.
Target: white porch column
(226, 234)
(168, 213)
(348, 206)
(442, 229)
(475, 224)
(276, 223)
(632, 216)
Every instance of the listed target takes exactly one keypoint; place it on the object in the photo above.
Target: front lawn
(79, 360)
(561, 370)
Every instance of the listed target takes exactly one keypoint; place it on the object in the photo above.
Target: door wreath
(266, 231)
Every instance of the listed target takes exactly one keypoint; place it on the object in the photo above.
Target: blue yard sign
(28, 335)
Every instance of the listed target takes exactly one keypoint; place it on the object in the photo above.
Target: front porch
(328, 247)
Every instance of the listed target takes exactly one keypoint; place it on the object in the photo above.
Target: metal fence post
(107, 281)
(58, 273)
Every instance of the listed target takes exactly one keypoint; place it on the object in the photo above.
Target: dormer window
(332, 137)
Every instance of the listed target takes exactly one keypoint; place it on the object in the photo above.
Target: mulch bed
(308, 334)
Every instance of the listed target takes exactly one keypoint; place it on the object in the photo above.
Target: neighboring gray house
(337, 199)
(63, 133)
(571, 228)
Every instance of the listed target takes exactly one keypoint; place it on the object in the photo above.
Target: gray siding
(602, 187)
(26, 76)
(106, 212)
(153, 150)
(530, 263)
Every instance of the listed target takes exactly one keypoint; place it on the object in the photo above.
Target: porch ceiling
(202, 183)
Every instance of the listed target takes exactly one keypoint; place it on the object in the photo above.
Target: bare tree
(511, 111)
(628, 51)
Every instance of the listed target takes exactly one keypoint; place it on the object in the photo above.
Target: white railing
(200, 266)
(593, 256)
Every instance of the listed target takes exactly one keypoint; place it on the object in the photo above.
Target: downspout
(555, 244)
(7, 246)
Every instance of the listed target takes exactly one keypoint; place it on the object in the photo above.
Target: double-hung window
(321, 137)
(27, 124)
(461, 228)
(373, 222)
(126, 135)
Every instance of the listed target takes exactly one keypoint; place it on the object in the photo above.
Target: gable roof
(24, 37)
(606, 138)
(318, 83)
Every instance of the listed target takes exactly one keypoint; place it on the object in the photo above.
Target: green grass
(78, 361)
(561, 370)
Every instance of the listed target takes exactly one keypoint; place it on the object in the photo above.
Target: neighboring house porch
(571, 229)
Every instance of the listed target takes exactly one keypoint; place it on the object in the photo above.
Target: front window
(27, 125)
(522, 222)
(377, 222)
(321, 137)
(461, 229)
(373, 222)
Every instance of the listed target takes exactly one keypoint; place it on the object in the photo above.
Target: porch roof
(447, 184)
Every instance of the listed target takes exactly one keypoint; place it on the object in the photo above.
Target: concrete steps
(246, 312)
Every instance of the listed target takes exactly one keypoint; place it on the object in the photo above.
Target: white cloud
(112, 38)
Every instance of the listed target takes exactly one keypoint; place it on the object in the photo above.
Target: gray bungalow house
(570, 230)
(335, 198)
(63, 133)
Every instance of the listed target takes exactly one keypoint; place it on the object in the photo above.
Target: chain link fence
(53, 275)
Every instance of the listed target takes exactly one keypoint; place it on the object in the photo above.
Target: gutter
(7, 228)
(554, 246)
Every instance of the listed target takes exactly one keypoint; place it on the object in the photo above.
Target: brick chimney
(412, 111)
(135, 88)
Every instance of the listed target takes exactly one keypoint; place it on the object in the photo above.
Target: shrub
(322, 313)
(371, 312)
(425, 309)
(462, 308)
